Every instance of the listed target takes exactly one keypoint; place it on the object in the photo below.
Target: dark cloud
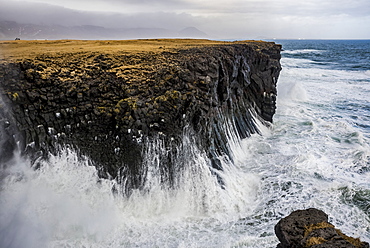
(219, 18)
(37, 13)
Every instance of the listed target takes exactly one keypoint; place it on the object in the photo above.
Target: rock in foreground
(310, 228)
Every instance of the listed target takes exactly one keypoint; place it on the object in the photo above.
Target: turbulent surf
(316, 154)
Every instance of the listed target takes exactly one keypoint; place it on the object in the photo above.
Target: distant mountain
(9, 30)
(192, 32)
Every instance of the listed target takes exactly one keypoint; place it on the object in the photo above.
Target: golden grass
(354, 241)
(315, 241)
(319, 240)
(28, 49)
(312, 227)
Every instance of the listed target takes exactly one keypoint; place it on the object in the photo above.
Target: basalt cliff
(107, 99)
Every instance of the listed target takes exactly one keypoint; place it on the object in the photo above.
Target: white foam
(302, 51)
(65, 204)
(61, 201)
(311, 157)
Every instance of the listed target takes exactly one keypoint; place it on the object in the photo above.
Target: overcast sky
(220, 19)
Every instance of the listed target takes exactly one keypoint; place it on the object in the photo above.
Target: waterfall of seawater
(297, 164)
(63, 203)
(316, 154)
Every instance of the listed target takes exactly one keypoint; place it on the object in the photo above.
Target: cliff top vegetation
(29, 49)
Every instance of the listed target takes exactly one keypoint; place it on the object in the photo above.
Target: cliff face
(107, 102)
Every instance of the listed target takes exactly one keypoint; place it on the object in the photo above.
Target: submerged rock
(310, 228)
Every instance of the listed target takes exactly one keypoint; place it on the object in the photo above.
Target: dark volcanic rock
(310, 228)
(107, 105)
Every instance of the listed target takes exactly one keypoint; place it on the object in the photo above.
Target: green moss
(123, 104)
(169, 95)
(104, 110)
(117, 110)
(15, 96)
(168, 77)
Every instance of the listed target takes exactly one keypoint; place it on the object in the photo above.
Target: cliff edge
(108, 98)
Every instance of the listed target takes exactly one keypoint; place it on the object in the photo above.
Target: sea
(316, 154)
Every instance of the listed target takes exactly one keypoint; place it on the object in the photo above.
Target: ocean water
(316, 154)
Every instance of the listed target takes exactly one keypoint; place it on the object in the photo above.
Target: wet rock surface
(106, 104)
(310, 228)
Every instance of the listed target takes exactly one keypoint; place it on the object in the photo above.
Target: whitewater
(316, 154)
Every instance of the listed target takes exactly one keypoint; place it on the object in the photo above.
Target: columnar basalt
(105, 99)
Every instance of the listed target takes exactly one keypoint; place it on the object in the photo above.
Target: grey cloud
(244, 19)
(35, 13)
(133, 6)
(299, 8)
(45, 14)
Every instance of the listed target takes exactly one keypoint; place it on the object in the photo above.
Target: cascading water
(63, 203)
(316, 154)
